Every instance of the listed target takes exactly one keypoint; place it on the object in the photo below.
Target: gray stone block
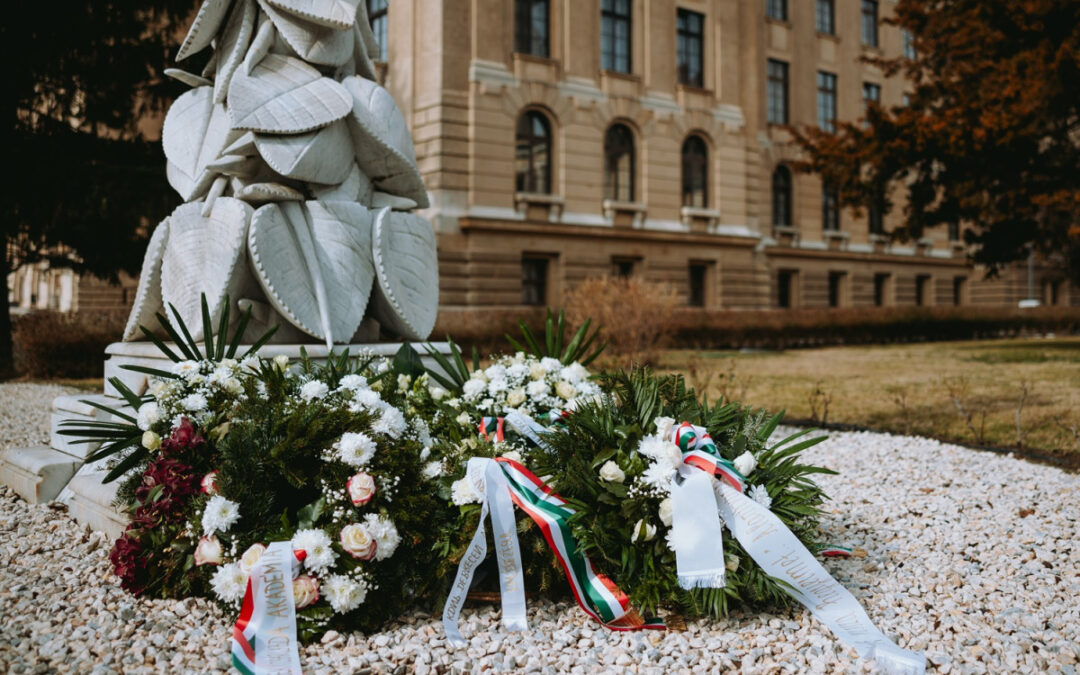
(37, 474)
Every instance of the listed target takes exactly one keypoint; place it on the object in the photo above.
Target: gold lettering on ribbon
(505, 550)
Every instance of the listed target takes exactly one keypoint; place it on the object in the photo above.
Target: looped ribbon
(492, 426)
(505, 483)
(264, 636)
(710, 488)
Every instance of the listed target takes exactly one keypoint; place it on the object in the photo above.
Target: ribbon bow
(699, 450)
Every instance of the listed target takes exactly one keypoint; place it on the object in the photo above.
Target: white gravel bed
(972, 558)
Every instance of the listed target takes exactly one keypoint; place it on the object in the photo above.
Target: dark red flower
(129, 563)
(183, 437)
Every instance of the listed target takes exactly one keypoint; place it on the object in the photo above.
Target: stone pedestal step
(37, 474)
(73, 408)
(90, 502)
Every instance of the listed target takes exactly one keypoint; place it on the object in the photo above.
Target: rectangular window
(785, 288)
(777, 92)
(699, 272)
(615, 35)
(377, 14)
(958, 284)
(826, 17)
(871, 93)
(954, 231)
(826, 101)
(870, 23)
(531, 27)
(875, 220)
(690, 50)
(881, 282)
(830, 209)
(534, 280)
(623, 267)
(909, 43)
(922, 290)
(836, 286)
(776, 9)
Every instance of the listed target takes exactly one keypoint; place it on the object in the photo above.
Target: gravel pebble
(953, 569)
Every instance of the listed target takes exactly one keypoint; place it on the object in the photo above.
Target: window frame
(532, 179)
(777, 10)
(825, 17)
(380, 27)
(835, 289)
(777, 74)
(612, 185)
(827, 100)
(611, 16)
(697, 297)
(685, 37)
(542, 282)
(830, 208)
(868, 24)
(694, 166)
(525, 39)
(783, 197)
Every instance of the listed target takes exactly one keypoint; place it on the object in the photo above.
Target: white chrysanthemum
(316, 544)
(432, 470)
(390, 423)
(229, 582)
(474, 388)
(250, 363)
(462, 492)
(498, 385)
(220, 515)
(760, 495)
(550, 365)
(661, 452)
(185, 368)
(149, 415)
(313, 390)
(495, 372)
(659, 476)
(385, 534)
(537, 388)
(367, 399)
(354, 382)
(574, 373)
(194, 403)
(355, 449)
(344, 593)
(517, 371)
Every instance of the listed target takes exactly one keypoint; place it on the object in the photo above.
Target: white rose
(437, 392)
(305, 591)
(731, 562)
(357, 542)
(665, 511)
(536, 371)
(150, 440)
(251, 557)
(361, 488)
(513, 455)
(565, 390)
(664, 427)
(463, 419)
(404, 383)
(745, 463)
(281, 362)
(208, 551)
(516, 397)
(643, 531)
(611, 472)
(208, 484)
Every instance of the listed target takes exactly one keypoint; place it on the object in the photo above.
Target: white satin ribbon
(500, 507)
(780, 554)
(274, 614)
(696, 533)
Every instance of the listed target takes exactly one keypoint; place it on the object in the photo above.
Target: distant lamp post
(1031, 300)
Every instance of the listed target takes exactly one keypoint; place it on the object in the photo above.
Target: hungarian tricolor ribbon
(595, 593)
(777, 551)
(264, 636)
(493, 427)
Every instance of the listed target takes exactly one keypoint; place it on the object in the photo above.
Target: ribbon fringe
(704, 580)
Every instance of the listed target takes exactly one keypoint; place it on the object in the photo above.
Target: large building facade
(563, 139)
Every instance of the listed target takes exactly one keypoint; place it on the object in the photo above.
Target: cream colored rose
(516, 397)
(361, 488)
(664, 427)
(251, 557)
(305, 591)
(150, 440)
(208, 551)
(643, 531)
(536, 371)
(745, 463)
(513, 455)
(358, 542)
(665, 512)
(611, 472)
(281, 362)
(565, 390)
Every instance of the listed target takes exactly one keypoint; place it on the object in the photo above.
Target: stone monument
(298, 177)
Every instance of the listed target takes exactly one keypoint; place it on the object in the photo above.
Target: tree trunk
(7, 365)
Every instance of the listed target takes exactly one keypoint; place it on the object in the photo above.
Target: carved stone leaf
(339, 14)
(190, 79)
(284, 95)
(355, 188)
(233, 46)
(381, 199)
(382, 142)
(260, 193)
(322, 156)
(243, 145)
(367, 36)
(205, 255)
(342, 236)
(406, 297)
(203, 28)
(148, 293)
(312, 42)
(194, 132)
(236, 165)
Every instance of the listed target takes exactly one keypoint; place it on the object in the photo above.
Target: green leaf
(238, 334)
(254, 348)
(153, 372)
(138, 455)
(162, 347)
(107, 409)
(208, 329)
(310, 514)
(408, 362)
(223, 327)
(193, 347)
(178, 341)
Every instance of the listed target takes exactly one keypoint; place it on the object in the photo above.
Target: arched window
(533, 154)
(695, 172)
(781, 196)
(619, 163)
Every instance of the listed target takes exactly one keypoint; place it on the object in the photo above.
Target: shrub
(55, 344)
(632, 314)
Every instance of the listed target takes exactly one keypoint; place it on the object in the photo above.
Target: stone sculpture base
(59, 471)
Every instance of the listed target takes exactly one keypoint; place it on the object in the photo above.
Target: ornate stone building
(562, 139)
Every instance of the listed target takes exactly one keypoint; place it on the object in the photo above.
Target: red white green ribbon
(835, 552)
(493, 426)
(264, 636)
(699, 451)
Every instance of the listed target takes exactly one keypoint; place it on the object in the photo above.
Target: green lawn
(914, 389)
